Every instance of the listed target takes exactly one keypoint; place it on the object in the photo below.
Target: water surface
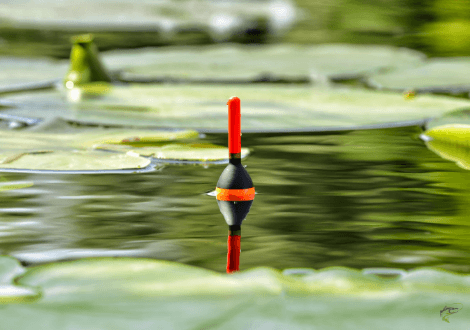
(371, 198)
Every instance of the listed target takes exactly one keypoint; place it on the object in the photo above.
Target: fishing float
(234, 191)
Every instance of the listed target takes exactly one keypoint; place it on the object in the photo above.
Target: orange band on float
(235, 195)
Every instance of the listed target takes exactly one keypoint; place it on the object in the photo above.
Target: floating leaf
(127, 137)
(10, 268)
(123, 293)
(102, 149)
(73, 151)
(76, 161)
(203, 152)
(451, 75)
(232, 63)
(457, 134)
(461, 116)
(264, 108)
(19, 74)
(450, 151)
(451, 142)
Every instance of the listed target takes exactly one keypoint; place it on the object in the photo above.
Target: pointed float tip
(233, 99)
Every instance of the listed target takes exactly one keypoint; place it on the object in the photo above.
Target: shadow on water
(373, 198)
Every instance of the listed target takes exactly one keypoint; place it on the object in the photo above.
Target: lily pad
(75, 161)
(460, 116)
(453, 152)
(66, 152)
(10, 293)
(123, 293)
(457, 134)
(19, 74)
(257, 63)
(201, 152)
(265, 108)
(451, 142)
(102, 149)
(451, 75)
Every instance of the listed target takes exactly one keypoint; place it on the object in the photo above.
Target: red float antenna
(235, 191)
(234, 127)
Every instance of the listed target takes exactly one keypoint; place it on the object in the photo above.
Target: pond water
(370, 198)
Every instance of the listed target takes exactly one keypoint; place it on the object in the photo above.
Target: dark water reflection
(376, 198)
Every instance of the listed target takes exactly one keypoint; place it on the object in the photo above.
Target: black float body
(234, 176)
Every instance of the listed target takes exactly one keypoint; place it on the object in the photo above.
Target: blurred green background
(436, 27)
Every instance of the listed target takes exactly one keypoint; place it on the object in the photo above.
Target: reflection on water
(363, 199)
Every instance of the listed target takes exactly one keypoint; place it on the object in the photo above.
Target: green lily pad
(10, 293)
(18, 74)
(450, 75)
(450, 151)
(122, 293)
(71, 152)
(264, 107)
(125, 137)
(460, 116)
(75, 161)
(233, 63)
(204, 152)
(457, 134)
(102, 149)
(451, 142)
(9, 269)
